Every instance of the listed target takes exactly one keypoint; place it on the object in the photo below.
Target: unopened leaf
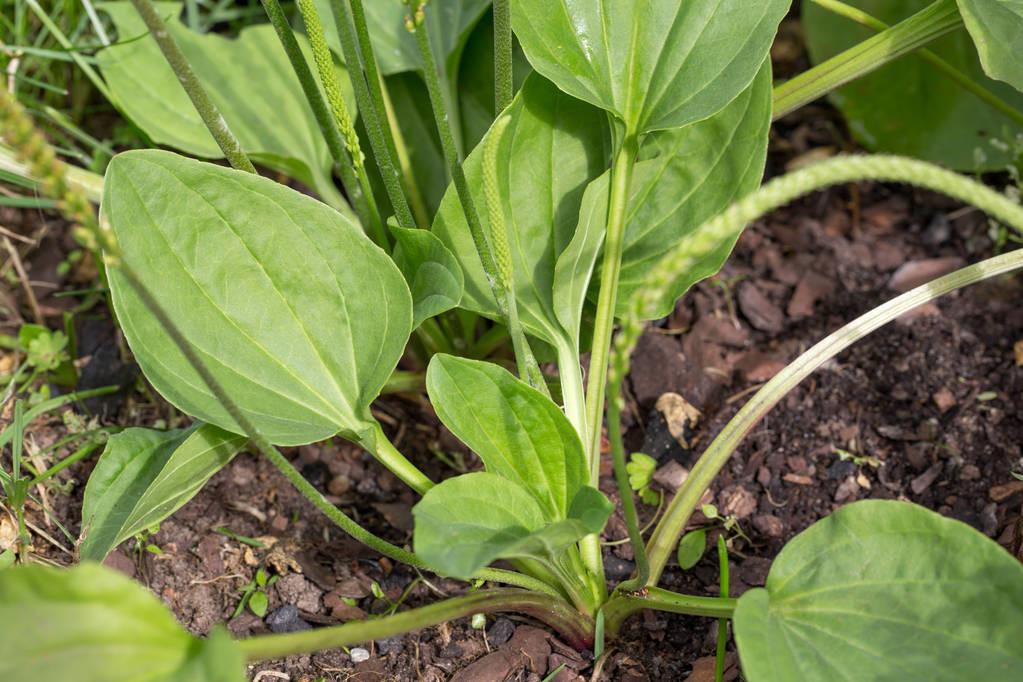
(299, 316)
(92, 624)
(654, 64)
(431, 271)
(885, 590)
(469, 521)
(270, 116)
(143, 477)
(516, 430)
(996, 27)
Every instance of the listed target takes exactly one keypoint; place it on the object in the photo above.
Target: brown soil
(930, 408)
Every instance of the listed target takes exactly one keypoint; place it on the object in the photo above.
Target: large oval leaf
(654, 64)
(553, 146)
(516, 430)
(467, 522)
(273, 122)
(684, 178)
(908, 107)
(92, 624)
(996, 27)
(143, 477)
(885, 590)
(297, 314)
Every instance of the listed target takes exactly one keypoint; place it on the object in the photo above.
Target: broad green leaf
(431, 271)
(996, 27)
(469, 521)
(552, 148)
(449, 23)
(685, 177)
(516, 430)
(92, 624)
(295, 311)
(654, 64)
(884, 590)
(143, 477)
(908, 107)
(250, 80)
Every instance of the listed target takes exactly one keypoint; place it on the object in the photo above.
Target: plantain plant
(585, 188)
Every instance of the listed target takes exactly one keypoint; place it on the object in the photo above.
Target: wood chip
(797, 479)
(1003, 492)
(1018, 348)
(924, 480)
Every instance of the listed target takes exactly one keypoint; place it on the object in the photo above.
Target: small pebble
(286, 619)
(359, 655)
(500, 632)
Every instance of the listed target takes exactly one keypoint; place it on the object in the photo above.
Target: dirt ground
(929, 409)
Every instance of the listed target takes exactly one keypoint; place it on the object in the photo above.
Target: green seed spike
(325, 66)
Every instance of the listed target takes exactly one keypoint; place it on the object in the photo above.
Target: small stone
(944, 400)
(738, 502)
(764, 476)
(841, 469)
(671, 476)
(969, 472)
(924, 480)
(286, 619)
(339, 485)
(769, 524)
(359, 654)
(989, 519)
(500, 632)
(917, 272)
(295, 589)
(759, 310)
(847, 490)
(279, 524)
(757, 366)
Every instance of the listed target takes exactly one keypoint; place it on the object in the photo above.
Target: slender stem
(614, 432)
(208, 111)
(719, 662)
(621, 606)
(503, 75)
(930, 23)
(343, 123)
(556, 613)
(42, 162)
(76, 456)
(385, 452)
(362, 69)
(603, 326)
(570, 374)
(365, 208)
(415, 195)
(607, 299)
(716, 231)
(946, 69)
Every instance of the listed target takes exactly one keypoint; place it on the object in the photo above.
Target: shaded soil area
(929, 409)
